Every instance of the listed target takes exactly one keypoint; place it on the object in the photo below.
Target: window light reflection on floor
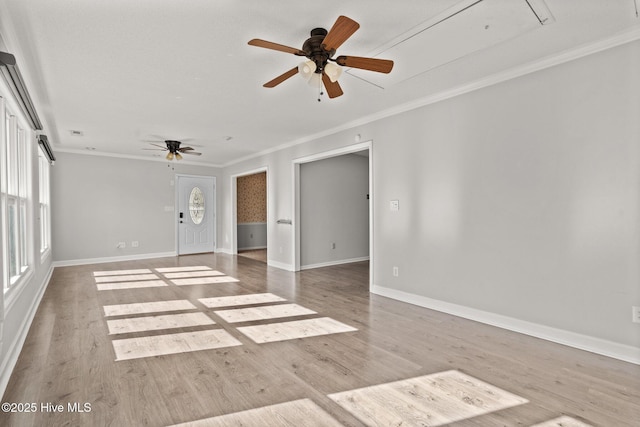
(131, 285)
(147, 307)
(154, 323)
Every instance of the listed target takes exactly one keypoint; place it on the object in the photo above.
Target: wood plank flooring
(388, 362)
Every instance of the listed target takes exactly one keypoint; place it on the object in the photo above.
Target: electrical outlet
(121, 245)
(396, 273)
(135, 244)
(635, 314)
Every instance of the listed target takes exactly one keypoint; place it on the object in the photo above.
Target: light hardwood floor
(362, 359)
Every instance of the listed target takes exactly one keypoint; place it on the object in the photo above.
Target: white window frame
(44, 198)
(15, 190)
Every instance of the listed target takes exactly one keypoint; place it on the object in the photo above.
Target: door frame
(295, 244)
(234, 205)
(177, 208)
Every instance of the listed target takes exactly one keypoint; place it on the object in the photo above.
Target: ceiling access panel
(468, 27)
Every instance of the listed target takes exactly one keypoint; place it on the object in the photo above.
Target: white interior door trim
(295, 243)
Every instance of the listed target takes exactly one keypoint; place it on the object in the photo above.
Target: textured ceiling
(123, 71)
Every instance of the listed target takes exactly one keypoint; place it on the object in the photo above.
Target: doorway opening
(333, 216)
(250, 215)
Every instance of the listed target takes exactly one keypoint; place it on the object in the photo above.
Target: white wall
(518, 202)
(19, 305)
(334, 209)
(100, 201)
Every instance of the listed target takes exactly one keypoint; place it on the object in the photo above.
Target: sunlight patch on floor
(264, 312)
(204, 280)
(431, 400)
(118, 272)
(157, 345)
(147, 307)
(182, 274)
(296, 329)
(257, 307)
(177, 269)
(154, 323)
(563, 421)
(234, 300)
(125, 278)
(298, 413)
(130, 285)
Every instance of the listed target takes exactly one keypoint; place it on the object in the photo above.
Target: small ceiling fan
(321, 67)
(174, 149)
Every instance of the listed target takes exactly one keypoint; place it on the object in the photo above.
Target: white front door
(196, 214)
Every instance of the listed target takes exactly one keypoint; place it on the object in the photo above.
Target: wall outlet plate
(635, 314)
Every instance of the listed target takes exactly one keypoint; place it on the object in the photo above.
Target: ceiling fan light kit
(307, 69)
(321, 68)
(333, 71)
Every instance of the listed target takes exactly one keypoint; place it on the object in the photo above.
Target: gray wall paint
(252, 235)
(334, 209)
(100, 201)
(519, 199)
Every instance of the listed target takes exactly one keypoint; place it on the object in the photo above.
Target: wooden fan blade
(164, 147)
(191, 152)
(333, 88)
(185, 148)
(342, 29)
(371, 64)
(275, 46)
(282, 77)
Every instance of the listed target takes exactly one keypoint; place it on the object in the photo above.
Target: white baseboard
(72, 262)
(607, 348)
(251, 248)
(13, 352)
(330, 263)
(280, 265)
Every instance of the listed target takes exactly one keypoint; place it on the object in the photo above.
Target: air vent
(76, 132)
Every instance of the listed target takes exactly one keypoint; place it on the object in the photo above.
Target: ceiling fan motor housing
(314, 49)
(172, 145)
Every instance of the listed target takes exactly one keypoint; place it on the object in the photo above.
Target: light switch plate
(394, 205)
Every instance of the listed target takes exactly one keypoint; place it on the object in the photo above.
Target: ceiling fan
(174, 149)
(321, 67)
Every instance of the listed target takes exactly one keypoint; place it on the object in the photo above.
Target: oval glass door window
(196, 205)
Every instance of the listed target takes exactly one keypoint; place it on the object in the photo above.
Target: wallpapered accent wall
(252, 198)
